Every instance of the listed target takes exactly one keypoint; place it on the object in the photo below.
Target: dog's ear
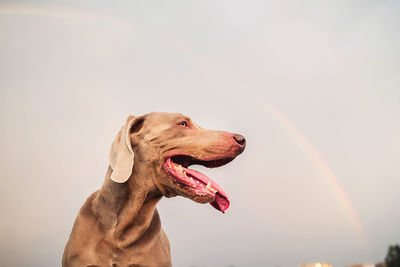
(121, 154)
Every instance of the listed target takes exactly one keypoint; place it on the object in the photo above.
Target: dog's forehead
(158, 118)
(157, 122)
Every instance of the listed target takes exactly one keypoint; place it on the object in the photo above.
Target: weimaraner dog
(119, 226)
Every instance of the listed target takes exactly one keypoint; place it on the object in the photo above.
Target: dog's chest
(154, 253)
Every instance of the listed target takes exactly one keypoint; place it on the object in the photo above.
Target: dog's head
(157, 149)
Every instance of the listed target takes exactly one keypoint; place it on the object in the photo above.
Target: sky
(314, 86)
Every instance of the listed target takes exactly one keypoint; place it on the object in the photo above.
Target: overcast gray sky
(313, 85)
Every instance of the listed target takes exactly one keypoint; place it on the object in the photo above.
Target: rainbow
(320, 164)
(323, 167)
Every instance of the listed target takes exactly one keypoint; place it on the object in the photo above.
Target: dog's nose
(239, 139)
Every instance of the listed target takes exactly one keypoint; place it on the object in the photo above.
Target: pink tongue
(221, 201)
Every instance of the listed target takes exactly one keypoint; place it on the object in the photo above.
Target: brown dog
(119, 225)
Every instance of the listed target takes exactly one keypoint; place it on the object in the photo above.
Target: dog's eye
(183, 123)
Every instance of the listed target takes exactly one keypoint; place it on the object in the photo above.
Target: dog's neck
(127, 211)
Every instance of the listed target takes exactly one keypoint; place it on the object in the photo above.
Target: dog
(119, 224)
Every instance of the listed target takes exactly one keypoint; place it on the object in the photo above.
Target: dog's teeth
(181, 169)
(208, 186)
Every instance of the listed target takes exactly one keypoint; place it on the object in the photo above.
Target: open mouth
(196, 183)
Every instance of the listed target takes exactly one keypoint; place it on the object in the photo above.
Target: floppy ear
(121, 154)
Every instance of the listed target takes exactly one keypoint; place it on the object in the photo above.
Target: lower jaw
(189, 192)
(194, 188)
